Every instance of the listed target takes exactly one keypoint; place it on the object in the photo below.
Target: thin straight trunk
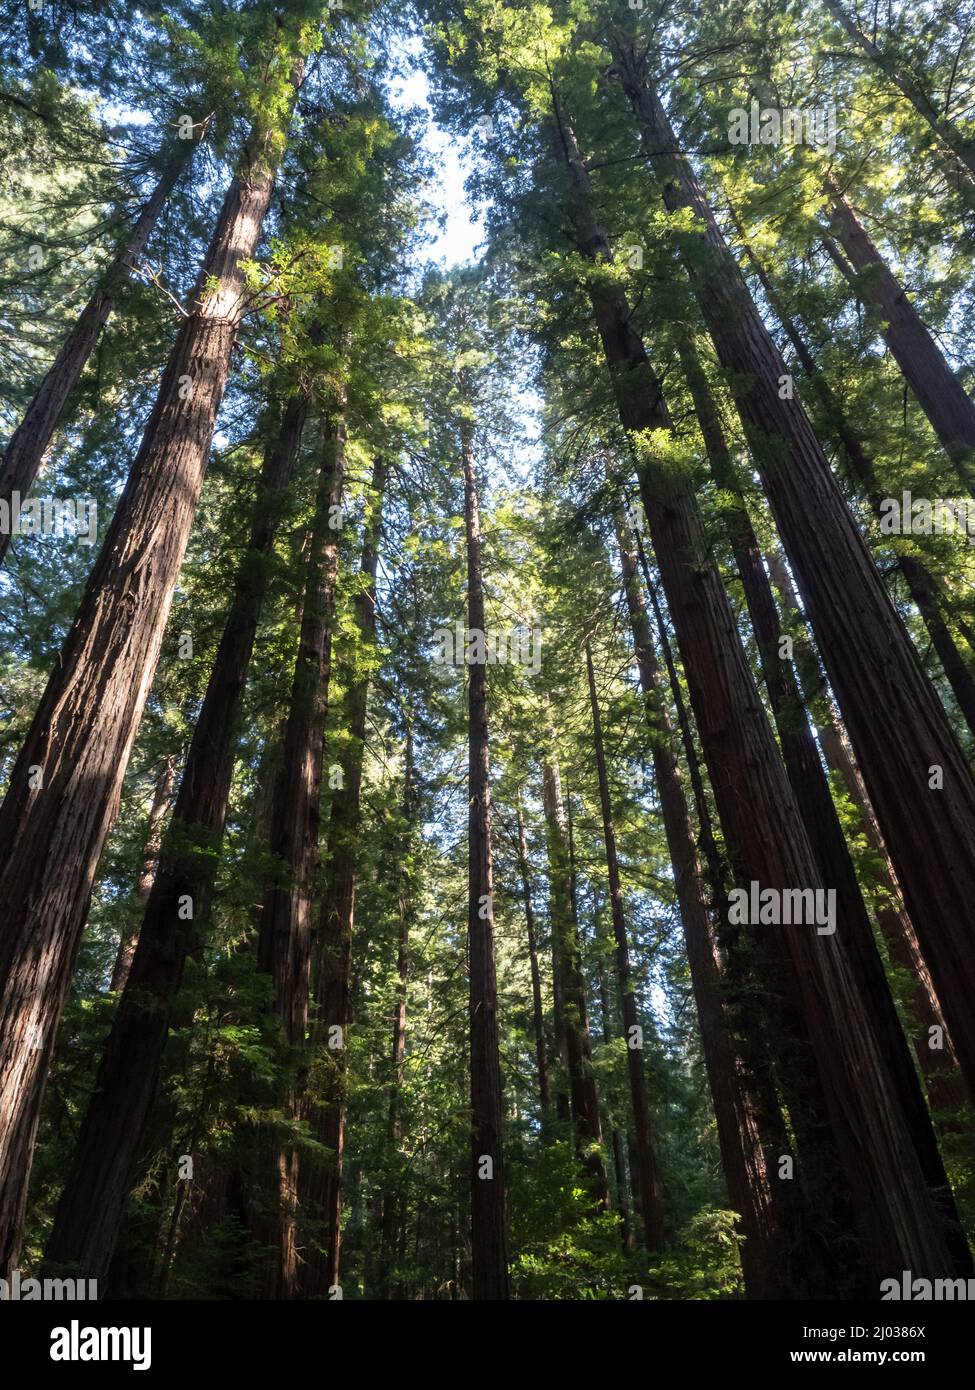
(563, 1104)
(162, 799)
(946, 403)
(89, 1214)
(906, 749)
(575, 1014)
(616, 1139)
(817, 809)
(538, 1013)
(921, 583)
(489, 1242)
(65, 787)
(646, 1181)
(29, 441)
(961, 151)
(766, 839)
(392, 1212)
(563, 1098)
(284, 943)
(333, 966)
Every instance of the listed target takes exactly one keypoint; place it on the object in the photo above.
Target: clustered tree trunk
(64, 789)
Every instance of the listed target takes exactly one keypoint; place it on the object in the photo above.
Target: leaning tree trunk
(946, 403)
(905, 746)
(65, 787)
(28, 443)
(91, 1207)
(935, 1052)
(646, 1179)
(766, 839)
(742, 1114)
(489, 1242)
(817, 809)
(284, 942)
(334, 962)
(921, 584)
(961, 151)
(567, 954)
(162, 799)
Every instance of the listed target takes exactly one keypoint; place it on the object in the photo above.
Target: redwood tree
(905, 746)
(65, 786)
(92, 1203)
(489, 1242)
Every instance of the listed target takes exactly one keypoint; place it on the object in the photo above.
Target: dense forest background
(487, 748)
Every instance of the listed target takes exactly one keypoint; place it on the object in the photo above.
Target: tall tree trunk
(29, 441)
(751, 1131)
(961, 151)
(392, 1210)
(284, 943)
(815, 804)
(538, 1013)
(946, 403)
(90, 1211)
(646, 1181)
(567, 951)
(938, 1063)
(162, 799)
(904, 744)
(489, 1242)
(616, 1139)
(334, 961)
(921, 583)
(65, 787)
(765, 836)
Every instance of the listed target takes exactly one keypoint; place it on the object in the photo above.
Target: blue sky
(463, 228)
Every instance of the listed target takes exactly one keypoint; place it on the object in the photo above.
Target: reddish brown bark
(741, 1113)
(767, 843)
(896, 722)
(90, 1210)
(815, 804)
(939, 1064)
(284, 943)
(334, 962)
(79, 743)
(921, 583)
